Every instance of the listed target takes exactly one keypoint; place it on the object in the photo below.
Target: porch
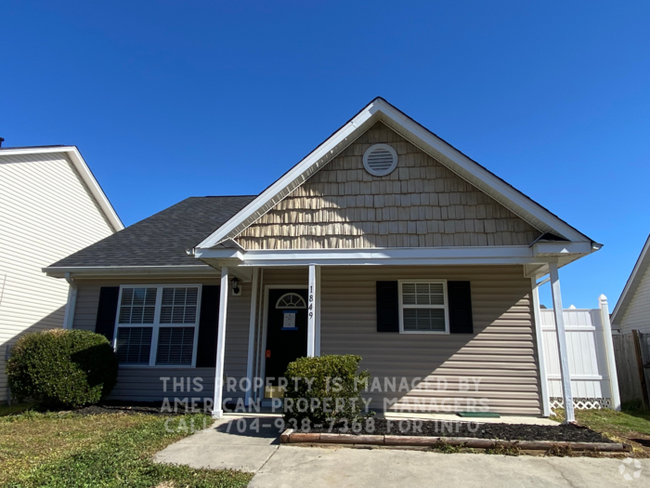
(494, 366)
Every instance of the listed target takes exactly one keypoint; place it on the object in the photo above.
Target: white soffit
(380, 110)
(74, 156)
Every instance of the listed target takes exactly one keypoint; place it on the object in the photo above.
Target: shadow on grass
(635, 409)
(15, 409)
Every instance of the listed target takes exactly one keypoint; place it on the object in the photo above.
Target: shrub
(324, 388)
(62, 368)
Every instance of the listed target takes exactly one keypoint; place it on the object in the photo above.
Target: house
(632, 311)
(385, 241)
(50, 206)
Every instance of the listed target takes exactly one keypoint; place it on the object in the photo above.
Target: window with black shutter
(157, 324)
(424, 307)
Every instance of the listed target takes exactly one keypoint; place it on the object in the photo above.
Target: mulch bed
(508, 432)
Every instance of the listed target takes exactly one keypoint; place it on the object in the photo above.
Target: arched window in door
(290, 300)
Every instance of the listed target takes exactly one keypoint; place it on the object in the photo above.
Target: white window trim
(157, 325)
(402, 306)
(301, 307)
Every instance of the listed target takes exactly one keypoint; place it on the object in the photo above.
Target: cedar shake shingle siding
(420, 204)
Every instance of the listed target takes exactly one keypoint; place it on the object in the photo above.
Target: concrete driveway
(254, 447)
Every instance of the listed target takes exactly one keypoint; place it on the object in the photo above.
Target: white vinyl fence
(590, 354)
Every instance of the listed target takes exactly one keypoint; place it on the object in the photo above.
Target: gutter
(71, 305)
(120, 271)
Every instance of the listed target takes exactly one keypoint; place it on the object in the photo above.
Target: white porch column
(312, 309)
(217, 409)
(558, 311)
(251, 334)
(541, 354)
(609, 350)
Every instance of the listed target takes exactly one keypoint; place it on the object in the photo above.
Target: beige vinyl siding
(420, 204)
(85, 313)
(637, 315)
(46, 213)
(147, 385)
(144, 383)
(501, 352)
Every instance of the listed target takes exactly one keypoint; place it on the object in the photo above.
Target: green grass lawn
(631, 425)
(107, 450)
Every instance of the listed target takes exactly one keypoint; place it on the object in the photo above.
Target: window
(290, 300)
(175, 345)
(157, 325)
(423, 307)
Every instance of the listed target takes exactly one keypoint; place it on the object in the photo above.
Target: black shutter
(206, 355)
(107, 311)
(387, 306)
(460, 307)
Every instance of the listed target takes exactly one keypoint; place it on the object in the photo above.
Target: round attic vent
(380, 160)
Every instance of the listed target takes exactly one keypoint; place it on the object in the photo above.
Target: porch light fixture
(234, 285)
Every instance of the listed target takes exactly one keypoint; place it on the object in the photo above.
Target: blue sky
(170, 99)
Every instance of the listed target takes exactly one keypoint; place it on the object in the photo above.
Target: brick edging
(291, 437)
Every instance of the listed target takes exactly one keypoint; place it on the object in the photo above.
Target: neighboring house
(631, 321)
(633, 307)
(50, 206)
(385, 241)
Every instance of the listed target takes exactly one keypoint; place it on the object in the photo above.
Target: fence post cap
(602, 298)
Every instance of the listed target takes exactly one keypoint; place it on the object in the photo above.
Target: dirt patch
(437, 428)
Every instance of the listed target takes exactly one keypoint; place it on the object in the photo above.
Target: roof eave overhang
(84, 171)
(544, 253)
(118, 271)
(380, 110)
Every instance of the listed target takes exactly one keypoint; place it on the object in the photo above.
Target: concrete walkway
(227, 445)
(252, 445)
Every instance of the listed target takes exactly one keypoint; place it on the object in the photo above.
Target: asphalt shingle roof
(161, 240)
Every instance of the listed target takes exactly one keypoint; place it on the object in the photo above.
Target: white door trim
(265, 321)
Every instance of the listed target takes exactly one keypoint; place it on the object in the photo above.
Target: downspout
(71, 305)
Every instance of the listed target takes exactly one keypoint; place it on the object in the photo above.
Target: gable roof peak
(381, 110)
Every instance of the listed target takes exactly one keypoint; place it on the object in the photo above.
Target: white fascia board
(375, 253)
(87, 271)
(419, 261)
(381, 256)
(563, 247)
(325, 149)
(220, 253)
(84, 171)
(638, 271)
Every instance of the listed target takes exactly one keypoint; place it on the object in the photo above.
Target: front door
(286, 335)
